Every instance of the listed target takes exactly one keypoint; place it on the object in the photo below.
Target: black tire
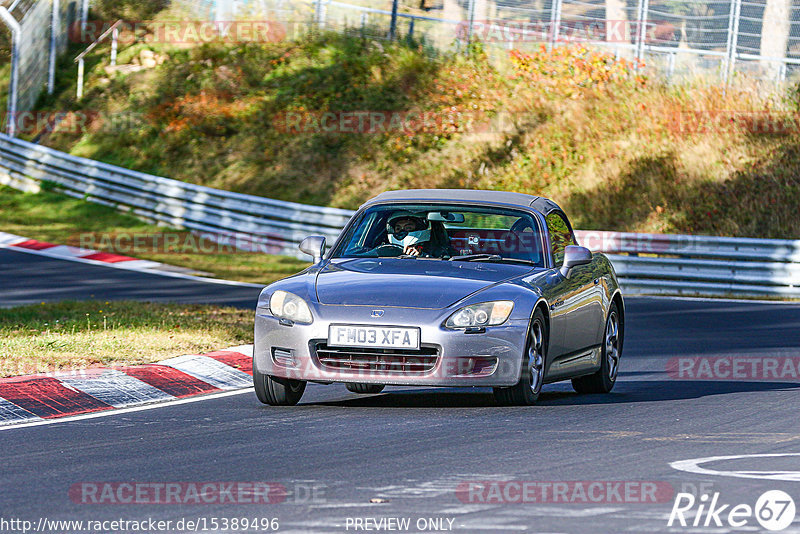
(604, 379)
(525, 392)
(364, 389)
(277, 391)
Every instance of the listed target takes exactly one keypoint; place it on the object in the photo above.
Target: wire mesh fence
(718, 40)
(39, 34)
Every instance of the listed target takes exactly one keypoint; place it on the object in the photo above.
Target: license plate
(387, 337)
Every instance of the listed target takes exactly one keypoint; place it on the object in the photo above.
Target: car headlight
(285, 305)
(479, 315)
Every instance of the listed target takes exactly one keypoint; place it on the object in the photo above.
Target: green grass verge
(56, 218)
(78, 335)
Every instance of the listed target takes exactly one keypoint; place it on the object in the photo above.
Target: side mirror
(573, 257)
(314, 246)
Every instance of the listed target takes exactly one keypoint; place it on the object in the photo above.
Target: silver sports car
(442, 287)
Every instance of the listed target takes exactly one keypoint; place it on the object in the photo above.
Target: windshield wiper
(473, 257)
(492, 258)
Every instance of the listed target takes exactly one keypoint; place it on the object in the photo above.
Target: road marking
(209, 371)
(115, 388)
(693, 466)
(121, 411)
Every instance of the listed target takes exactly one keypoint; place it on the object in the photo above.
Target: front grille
(399, 361)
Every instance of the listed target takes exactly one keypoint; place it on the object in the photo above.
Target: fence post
(13, 86)
(733, 40)
(84, 14)
(644, 7)
(671, 65)
(55, 24)
(555, 23)
(410, 36)
(114, 46)
(393, 23)
(81, 68)
(320, 14)
(471, 18)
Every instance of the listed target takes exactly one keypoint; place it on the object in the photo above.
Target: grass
(77, 335)
(56, 218)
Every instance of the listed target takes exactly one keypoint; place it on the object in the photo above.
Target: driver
(411, 232)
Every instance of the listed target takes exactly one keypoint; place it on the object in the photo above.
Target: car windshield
(444, 232)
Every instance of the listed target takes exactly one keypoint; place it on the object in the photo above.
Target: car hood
(407, 283)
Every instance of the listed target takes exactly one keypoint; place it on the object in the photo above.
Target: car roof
(541, 204)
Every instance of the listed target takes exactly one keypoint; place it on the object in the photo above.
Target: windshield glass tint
(442, 231)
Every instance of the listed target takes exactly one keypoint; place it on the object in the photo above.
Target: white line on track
(121, 411)
(693, 466)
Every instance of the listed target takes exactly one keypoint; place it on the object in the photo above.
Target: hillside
(618, 149)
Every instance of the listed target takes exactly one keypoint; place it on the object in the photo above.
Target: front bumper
(492, 358)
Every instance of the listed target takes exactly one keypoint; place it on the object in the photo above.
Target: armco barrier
(645, 263)
(272, 225)
(700, 265)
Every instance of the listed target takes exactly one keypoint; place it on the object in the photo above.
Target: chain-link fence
(717, 40)
(39, 34)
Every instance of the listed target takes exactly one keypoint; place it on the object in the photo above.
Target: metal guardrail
(273, 226)
(645, 263)
(700, 265)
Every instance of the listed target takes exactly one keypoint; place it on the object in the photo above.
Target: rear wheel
(526, 391)
(604, 379)
(364, 388)
(277, 391)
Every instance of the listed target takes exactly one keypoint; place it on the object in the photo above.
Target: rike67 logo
(774, 510)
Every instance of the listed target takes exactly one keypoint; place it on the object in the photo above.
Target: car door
(577, 305)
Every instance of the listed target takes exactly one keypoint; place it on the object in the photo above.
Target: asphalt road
(413, 448)
(30, 279)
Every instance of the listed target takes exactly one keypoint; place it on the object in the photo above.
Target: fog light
(283, 357)
(476, 366)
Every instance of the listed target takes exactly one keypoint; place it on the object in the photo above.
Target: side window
(560, 236)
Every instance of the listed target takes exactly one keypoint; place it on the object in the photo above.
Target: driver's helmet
(406, 229)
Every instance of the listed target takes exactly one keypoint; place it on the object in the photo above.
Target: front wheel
(604, 379)
(364, 389)
(526, 391)
(277, 391)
